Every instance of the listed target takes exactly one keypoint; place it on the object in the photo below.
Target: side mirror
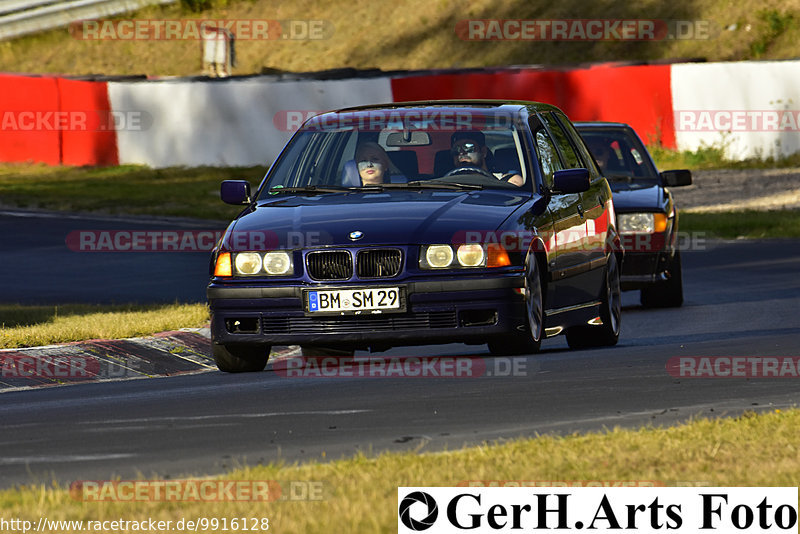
(571, 181)
(677, 178)
(235, 192)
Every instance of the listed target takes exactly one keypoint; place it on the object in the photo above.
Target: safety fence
(22, 17)
(749, 108)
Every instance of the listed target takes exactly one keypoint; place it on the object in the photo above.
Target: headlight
(470, 255)
(630, 223)
(248, 263)
(439, 256)
(271, 263)
(277, 263)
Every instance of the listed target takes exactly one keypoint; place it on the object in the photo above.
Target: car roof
(601, 124)
(516, 109)
(459, 104)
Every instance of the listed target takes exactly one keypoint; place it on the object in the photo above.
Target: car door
(580, 272)
(596, 203)
(569, 226)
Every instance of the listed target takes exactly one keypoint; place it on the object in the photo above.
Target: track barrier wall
(751, 109)
(56, 121)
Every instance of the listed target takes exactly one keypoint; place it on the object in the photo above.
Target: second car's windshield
(619, 155)
(338, 155)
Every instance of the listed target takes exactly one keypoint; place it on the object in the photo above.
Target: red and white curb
(165, 354)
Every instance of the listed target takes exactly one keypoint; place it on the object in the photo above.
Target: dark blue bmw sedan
(479, 222)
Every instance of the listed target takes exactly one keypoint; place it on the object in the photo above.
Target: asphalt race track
(742, 299)
(43, 262)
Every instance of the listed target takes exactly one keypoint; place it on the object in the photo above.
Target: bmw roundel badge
(356, 235)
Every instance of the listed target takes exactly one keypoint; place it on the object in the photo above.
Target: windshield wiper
(619, 178)
(315, 190)
(312, 189)
(369, 188)
(419, 184)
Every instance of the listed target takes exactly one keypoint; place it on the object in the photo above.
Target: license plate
(354, 300)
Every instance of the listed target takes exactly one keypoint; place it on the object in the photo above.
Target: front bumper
(437, 311)
(643, 269)
(647, 260)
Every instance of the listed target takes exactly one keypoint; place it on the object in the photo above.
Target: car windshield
(620, 155)
(390, 149)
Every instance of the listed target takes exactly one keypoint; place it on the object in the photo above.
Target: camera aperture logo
(418, 497)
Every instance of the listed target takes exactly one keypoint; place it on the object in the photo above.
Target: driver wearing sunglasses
(469, 150)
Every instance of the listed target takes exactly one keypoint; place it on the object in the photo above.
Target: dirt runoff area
(740, 189)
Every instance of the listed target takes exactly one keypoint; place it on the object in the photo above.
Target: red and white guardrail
(747, 107)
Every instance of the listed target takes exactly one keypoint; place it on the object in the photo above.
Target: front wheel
(240, 359)
(606, 334)
(531, 341)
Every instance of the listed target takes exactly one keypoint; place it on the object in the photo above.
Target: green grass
(713, 157)
(359, 494)
(129, 189)
(744, 224)
(27, 326)
(416, 34)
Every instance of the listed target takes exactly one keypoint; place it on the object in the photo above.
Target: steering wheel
(469, 170)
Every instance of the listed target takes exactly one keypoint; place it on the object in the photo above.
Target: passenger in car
(469, 150)
(373, 163)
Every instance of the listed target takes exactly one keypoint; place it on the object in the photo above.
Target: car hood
(638, 198)
(394, 217)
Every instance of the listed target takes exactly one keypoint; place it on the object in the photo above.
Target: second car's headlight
(254, 263)
(640, 222)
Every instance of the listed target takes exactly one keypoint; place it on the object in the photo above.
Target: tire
(313, 351)
(240, 359)
(667, 294)
(607, 334)
(531, 341)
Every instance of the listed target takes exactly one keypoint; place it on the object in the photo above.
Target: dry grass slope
(419, 34)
